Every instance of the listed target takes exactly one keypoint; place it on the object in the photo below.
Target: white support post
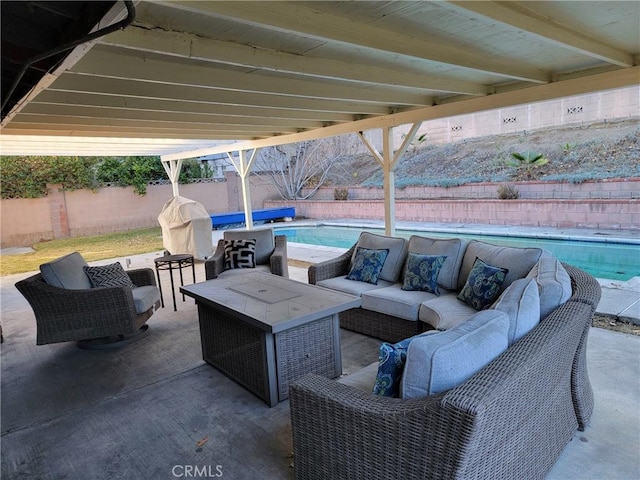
(389, 182)
(173, 167)
(389, 161)
(243, 167)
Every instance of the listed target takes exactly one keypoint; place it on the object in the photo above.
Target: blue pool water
(616, 261)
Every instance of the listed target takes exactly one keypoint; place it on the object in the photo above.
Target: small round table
(171, 263)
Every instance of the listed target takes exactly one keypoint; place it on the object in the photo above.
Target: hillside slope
(576, 154)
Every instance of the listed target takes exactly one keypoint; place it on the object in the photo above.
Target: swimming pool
(615, 261)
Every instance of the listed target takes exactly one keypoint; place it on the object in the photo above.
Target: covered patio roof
(190, 78)
(213, 72)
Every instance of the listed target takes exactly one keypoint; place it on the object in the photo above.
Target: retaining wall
(616, 206)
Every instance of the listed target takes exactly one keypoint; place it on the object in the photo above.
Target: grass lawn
(92, 248)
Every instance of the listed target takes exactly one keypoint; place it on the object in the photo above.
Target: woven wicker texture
(309, 348)
(70, 315)
(234, 348)
(510, 420)
(278, 260)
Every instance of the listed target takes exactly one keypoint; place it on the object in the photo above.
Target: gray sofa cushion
(453, 248)
(66, 272)
(341, 284)
(395, 259)
(521, 302)
(265, 243)
(438, 362)
(145, 297)
(519, 261)
(395, 302)
(554, 284)
(445, 312)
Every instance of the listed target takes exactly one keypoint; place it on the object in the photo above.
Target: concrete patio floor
(154, 409)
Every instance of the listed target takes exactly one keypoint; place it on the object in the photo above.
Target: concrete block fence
(611, 204)
(595, 214)
(618, 188)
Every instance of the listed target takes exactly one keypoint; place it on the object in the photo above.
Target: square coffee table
(264, 331)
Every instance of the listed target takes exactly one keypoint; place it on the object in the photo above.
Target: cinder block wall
(65, 213)
(623, 188)
(582, 212)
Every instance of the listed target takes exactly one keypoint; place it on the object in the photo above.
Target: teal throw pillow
(367, 265)
(421, 272)
(483, 285)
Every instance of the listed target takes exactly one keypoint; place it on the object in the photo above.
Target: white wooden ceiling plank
(71, 82)
(547, 29)
(61, 98)
(296, 17)
(175, 117)
(183, 45)
(33, 132)
(119, 65)
(178, 127)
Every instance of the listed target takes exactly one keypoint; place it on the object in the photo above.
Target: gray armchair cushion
(66, 272)
(441, 361)
(452, 248)
(265, 243)
(145, 297)
(395, 259)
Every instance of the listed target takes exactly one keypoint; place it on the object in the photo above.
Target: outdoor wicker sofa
(511, 419)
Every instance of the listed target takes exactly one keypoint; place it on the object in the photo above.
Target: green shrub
(130, 171)
(27, 177)
(341, 194)
(508, 192)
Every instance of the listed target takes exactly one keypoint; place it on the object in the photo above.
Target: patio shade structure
(190, 78)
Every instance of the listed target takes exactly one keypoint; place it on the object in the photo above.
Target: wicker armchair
(97, 318)
(271, 253)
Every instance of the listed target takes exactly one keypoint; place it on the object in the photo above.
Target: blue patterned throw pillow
(392, 359)
(421, 272)
(112, 275)
(483, 285)
(240, 254)
(368, 264)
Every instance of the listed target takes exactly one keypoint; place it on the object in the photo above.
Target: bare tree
(304, 165)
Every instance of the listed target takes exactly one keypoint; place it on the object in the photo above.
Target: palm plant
(528, 160)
